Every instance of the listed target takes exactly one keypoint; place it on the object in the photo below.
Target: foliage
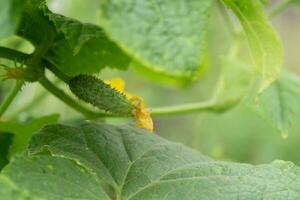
(138, 166)
(168, 40)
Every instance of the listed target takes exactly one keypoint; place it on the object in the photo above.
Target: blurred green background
(237, 135)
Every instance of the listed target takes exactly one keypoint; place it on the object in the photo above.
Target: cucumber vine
(169, 41)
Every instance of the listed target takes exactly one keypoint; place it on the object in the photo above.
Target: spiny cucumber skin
(94, 91)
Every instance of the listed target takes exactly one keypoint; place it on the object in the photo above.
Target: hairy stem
(12, 54)
(11, 96)
(57, 72)
(277, 9)
(68, 100)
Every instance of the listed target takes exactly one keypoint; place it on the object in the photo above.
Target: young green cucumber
(94, 91)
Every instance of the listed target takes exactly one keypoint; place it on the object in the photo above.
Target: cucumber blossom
(94, 91)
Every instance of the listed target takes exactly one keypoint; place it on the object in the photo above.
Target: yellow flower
(141, 113)
(116, 83)
(13, 73)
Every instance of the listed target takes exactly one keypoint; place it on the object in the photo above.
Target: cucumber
(94, 91)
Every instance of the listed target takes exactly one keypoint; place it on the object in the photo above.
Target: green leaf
(5, 142)
(48, 178)
(100, 146)
(279, 103)
(166, 36)
(84, 49)
(9, 191)
(140, 165)
(23, 131)
(73, 47)
(265, 45)
(10, 13)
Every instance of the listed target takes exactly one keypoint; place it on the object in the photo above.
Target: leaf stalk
(11, 96)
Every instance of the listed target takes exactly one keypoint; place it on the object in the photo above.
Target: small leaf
(48, 178)
(143, 166)
(73, 47)
(265, 45)
(23, 131)
(85, 49)
(166, 36)
(10, 14)
(279, 103)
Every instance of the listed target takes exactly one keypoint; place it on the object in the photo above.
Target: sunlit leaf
(265, 45)
(168, 37)
(279, 103)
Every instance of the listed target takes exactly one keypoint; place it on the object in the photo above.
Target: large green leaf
(279, 103)
(10, 13)
(23, 131)
(9, 191)
(140, 165)
(109, 151)
(45, 177)
(73, 47)
(265, 45)
(167, 36)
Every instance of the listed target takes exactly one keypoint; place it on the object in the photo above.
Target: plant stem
(8, 100)
(21, 57)
(13, 54)
(62, 76)
(69, 101)
(183, 109)
(277, 9)
(36, 101)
